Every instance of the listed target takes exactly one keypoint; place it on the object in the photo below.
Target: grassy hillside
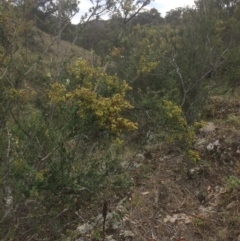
(41, 48)
(45, 41)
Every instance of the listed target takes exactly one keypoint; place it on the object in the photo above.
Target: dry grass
(167, 203)
(233, 120)
(45, 41)
(167, 191)
(39, 52)
(203, 207)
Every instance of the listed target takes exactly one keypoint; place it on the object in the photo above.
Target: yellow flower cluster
(146, 66)
(174, 114)
(57, 93)
(198, 124)
(19, 164)
(41, 175)
(146, 62)
(98, 95)
(194, 155)
(116, 52)
(177, 125)
(21, 95)
(169, 39)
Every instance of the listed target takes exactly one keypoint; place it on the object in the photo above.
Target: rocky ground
(174, 198)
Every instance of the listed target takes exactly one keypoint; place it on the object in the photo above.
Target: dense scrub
(65, 121)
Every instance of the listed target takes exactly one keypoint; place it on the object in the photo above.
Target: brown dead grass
(207, 199)
(40, 52)
(168, 190)
(45, 41)
(204, 206)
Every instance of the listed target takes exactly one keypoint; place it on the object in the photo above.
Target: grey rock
(110, 238)
(84, 228)
(208, 128)
(232, 205)
(127, 234)
(140, 157)
(194, 172)
(200, 142)
(130, 165)
(113, 220)
(210, 147)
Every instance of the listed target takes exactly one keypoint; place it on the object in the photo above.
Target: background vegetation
(73, 96)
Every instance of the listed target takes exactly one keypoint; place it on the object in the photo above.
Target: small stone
(194, 172)
(84, 228)
(140, 157)
(209, 127)
(210, 147)
(231, 205)
(173, 219)
(127, 234)
(110, 238)
(200, 142)
(216, 143)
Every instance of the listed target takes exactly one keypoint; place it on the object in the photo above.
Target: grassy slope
(68, 49)
(37, 58)
(41, 50)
